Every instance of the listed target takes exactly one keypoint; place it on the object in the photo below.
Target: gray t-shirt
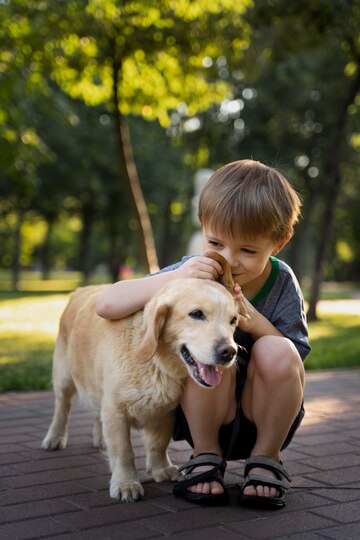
(281, 301)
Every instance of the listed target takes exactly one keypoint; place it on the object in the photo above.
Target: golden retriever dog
(130, 372)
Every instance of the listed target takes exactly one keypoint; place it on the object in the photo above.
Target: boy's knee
(276, 358)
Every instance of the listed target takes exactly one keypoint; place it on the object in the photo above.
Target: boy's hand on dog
(200, 267)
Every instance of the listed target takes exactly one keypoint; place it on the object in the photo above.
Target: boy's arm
(126, 297)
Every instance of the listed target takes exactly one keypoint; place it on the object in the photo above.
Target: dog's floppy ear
(154, 320)
(226, 278)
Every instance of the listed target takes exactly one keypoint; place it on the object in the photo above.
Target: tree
(140, 57)
(22, 152)
(301, 104)
(337, 26)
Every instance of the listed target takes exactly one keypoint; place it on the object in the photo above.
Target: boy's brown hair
(249, 198)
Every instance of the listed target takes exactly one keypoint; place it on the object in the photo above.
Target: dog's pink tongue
(210, 374)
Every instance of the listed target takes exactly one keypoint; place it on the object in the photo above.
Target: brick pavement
(64, 495)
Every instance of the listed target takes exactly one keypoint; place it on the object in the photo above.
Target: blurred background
(110, 110)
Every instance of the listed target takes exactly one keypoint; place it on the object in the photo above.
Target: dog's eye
(233, 321)
(197, 314)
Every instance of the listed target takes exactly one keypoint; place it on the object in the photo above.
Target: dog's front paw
(165, 473)
(54, 442)
(126, 491)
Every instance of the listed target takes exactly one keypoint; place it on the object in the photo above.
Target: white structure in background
(200, 179)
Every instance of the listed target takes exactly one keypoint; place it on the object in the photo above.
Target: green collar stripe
(269, 282)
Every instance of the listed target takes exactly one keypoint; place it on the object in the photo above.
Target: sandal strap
(191, 478)
(216, 461)
(268, 463)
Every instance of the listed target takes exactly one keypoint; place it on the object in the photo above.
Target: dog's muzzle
(204, 374)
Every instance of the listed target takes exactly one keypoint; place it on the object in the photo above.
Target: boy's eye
(213, 243)
(249, 251)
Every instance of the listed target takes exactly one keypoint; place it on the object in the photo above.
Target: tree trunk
(114, 255)
(146, 243)
(296, 254)
(46, 249)
(15, 267)
(85, 247)
(333, 175)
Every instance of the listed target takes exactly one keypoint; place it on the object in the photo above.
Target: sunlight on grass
(38, 315)
(28, 328)
(49, 285)
(32, 283)
(330, 324)
(335, 342)
(318, 332)
(11, 359)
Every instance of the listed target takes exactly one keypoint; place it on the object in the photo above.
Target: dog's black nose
(225, 353)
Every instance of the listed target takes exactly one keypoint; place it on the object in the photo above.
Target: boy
(247, 212)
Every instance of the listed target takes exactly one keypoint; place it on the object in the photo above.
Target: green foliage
(60, 194)
(156, 47)
(151, 55)
(286, 102)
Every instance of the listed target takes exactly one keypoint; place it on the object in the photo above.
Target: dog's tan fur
(131, 372)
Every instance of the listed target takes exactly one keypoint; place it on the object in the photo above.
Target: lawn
(28, 328)
(29, 322)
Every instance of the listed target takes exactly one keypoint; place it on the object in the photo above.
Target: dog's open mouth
(204, 374)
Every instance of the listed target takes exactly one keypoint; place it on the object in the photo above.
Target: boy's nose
(232, 260)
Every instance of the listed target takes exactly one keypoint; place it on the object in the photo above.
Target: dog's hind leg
(156, 439)
(64, 389)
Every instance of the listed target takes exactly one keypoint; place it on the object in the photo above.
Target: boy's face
(247, 257)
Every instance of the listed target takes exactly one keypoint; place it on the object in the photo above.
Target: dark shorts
(239, 436)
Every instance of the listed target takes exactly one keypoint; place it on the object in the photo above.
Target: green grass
(335, 342)
(28, 328)
(332, 290)
(31, 282)
(29, 323)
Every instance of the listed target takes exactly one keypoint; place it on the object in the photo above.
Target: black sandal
(189, 478)
(280, 482)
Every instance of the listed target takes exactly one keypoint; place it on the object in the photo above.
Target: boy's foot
(265, 483)
(217, 489)
(201, 481)
(206, 487)
(261, 490)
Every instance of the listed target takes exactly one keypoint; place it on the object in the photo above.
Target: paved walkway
(64, 495)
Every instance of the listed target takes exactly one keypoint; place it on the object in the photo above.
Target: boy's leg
(272, 398)
(206, 410)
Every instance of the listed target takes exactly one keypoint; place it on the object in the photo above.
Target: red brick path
(64, 495)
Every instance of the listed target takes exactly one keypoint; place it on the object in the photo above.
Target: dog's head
(191, 322)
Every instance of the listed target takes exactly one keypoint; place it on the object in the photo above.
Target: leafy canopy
(160, 51)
